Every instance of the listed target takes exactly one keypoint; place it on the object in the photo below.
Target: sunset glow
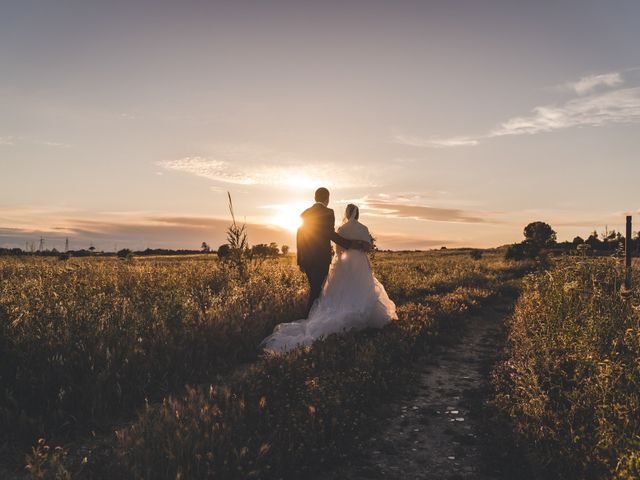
(287, 216)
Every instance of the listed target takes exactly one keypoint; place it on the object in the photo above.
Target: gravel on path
(444, 428)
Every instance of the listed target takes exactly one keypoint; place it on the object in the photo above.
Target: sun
(287, 216)
(290, 223)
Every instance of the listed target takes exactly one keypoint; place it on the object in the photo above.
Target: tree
(578, 241)
(205, 247)
(224, 251)
(284, 249)
(124, 253)
(593, 241)
(540, 234)
(264, 250)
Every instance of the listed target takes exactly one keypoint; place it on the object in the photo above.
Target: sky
(450, 123)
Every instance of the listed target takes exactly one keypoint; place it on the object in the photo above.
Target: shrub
(525, 250)
(224, 251)
(571, 378)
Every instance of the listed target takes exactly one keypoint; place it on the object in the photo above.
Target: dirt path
(444, 429)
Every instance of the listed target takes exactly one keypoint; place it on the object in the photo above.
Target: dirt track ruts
(444, 428)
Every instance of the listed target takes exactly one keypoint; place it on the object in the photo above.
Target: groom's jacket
(315, 235)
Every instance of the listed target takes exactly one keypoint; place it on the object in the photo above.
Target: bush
(264, 250)
(525, 250)
(224, 251)
(476, 254)
(572, 377)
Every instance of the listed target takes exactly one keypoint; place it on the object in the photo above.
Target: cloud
(208, 168)
(177, 233)
(53, 144)
(435, 142)
(590, 82)
(241, 165)
(619, 106)
(11, 140)
(153, 232)
(421, 212)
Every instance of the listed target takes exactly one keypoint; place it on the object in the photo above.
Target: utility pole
(41, 246)
(627, 255)
(66, 245)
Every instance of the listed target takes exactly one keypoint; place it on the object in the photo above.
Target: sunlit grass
(89, 341)
(571, 382)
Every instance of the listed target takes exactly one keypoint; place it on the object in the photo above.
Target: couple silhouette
(343, 292)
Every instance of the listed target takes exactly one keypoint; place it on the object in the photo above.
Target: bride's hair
(350, 211)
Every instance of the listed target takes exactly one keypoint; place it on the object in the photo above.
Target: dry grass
(571, 382)
(89, 340)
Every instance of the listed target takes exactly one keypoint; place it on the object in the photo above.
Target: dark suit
(314, 246)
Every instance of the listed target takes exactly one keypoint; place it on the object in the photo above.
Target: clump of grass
(572, 377)
(239, 253)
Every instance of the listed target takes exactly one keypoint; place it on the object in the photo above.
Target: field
(93, 346)
(150, 367)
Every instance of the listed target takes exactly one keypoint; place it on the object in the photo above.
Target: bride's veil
(352, 212)
(351, 228)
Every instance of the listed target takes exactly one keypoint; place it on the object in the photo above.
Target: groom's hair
(322, 195)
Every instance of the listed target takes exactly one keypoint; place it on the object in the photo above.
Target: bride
(351, 299)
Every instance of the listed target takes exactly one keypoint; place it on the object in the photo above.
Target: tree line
(261, 250)
(540, 237)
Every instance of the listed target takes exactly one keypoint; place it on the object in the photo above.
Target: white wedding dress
(351, 299)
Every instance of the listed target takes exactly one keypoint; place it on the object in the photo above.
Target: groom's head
(322, 196)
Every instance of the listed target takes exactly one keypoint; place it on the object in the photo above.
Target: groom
(314, 243)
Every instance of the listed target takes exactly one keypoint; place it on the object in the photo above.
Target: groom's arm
(340, 240)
